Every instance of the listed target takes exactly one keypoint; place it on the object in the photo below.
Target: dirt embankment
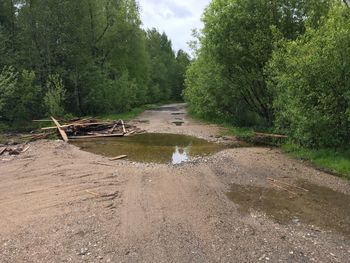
(60, 204)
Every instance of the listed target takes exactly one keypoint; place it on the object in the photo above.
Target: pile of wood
(14, 150)
(91, 128)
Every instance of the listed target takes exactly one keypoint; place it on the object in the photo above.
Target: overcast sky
(176, 18)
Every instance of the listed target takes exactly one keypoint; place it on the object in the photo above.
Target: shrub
(55, 96)
(310, 79)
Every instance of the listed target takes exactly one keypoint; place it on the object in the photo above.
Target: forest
(281, 65)
(82, 57)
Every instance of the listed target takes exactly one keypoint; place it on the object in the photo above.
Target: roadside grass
(128, 115)
(2, 139)
(334, 161)
(241, 133)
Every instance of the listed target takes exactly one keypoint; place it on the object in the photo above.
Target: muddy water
(320, 206)
(151, 147)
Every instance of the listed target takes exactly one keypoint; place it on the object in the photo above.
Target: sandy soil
(60, 204)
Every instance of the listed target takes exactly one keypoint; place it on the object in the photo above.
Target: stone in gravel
(83, 251)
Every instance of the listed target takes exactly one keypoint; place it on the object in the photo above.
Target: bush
(29, 103)
(55, 96)
(310, 79)
(20, 96)
(8, 82)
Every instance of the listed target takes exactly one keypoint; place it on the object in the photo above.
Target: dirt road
(60, 204)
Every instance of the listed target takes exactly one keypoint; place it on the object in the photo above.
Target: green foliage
(183, 61)
(8, 81)
(337, 161)
(28, 97)
(163, 63)
(106, 61)
(310, 81)
(20, 95)
(55, 96)
(236, 45)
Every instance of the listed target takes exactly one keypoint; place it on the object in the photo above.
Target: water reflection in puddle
(320, 206)
(152, 147)
(181, 155)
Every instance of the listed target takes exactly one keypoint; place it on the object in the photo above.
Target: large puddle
(319, 206)
(151, 147)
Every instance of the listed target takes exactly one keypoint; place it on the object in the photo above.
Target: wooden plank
(62, 132)
(25, 149)
(95, 136)
(118, 157)
(124, 131)
(130, 133)
(84, 125)
(2, 150)
(112, 130)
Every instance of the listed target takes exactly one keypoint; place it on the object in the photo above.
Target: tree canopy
(93, 51)
(260, 60)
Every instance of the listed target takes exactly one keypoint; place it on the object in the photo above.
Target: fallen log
(260, 134)
(95, 136)
(62, 132)
(118, 157)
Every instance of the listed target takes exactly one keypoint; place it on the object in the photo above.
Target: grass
(2, 139)
(128, 115)
(242, 133)
(335, 161)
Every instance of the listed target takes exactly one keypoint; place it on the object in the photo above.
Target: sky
(176, 18)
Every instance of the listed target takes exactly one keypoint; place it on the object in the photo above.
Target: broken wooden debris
(286, 184)
(292, 193)
(90, 128)
(14, 150)
(25, 149)
(129, 133)
(118, 157)
(62, 132)
(123, 125)
(2, 150)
